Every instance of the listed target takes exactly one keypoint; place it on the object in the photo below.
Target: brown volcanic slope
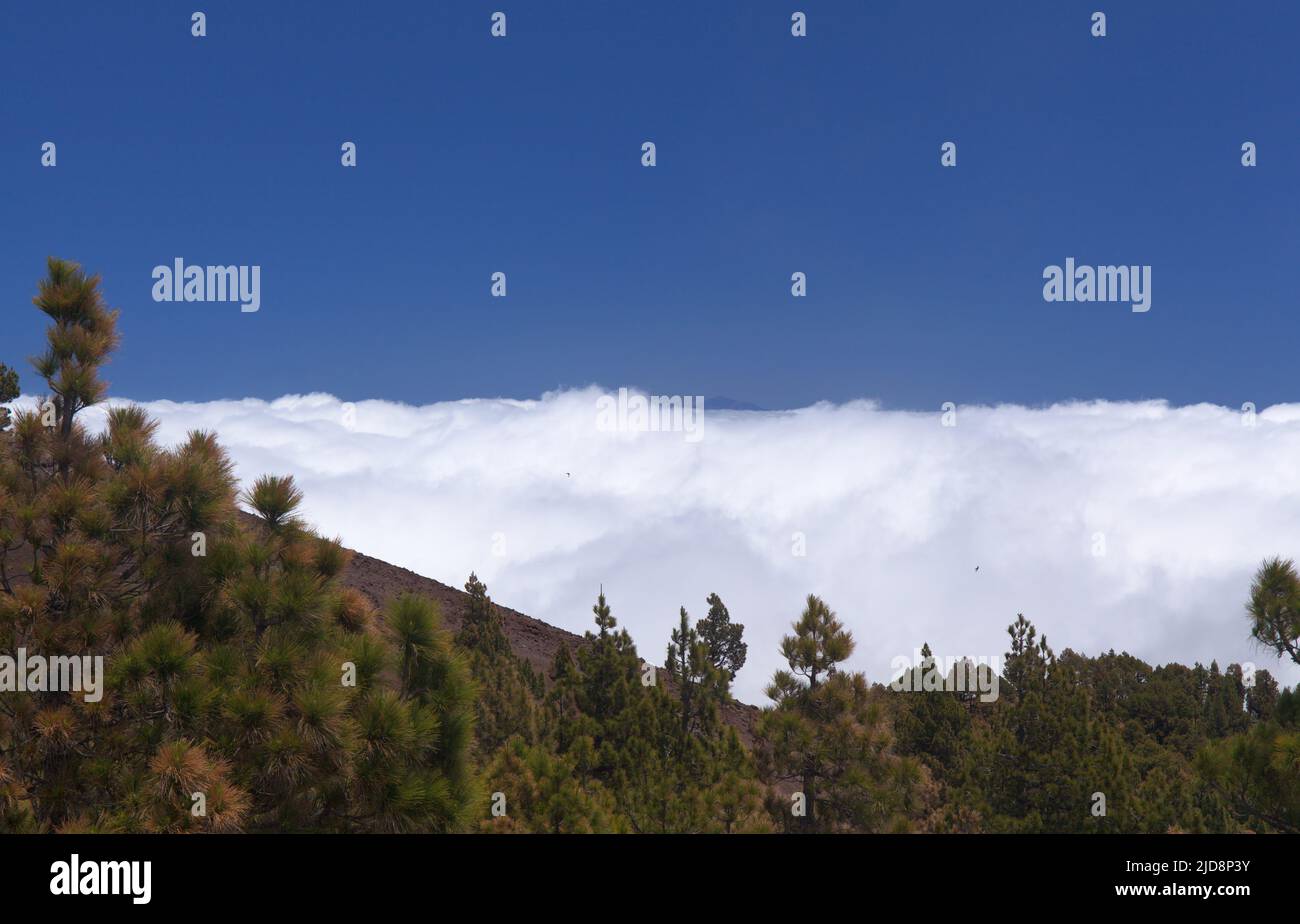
(529, 638)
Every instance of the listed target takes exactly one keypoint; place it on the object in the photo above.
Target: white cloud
(898, 511)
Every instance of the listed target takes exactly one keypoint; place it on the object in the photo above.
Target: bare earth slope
(531, 639)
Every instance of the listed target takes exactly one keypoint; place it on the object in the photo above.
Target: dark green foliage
(1258, 775)
(1257, 770)
(700, 685)
(933, 725)
(1068, 728)
(650, 747)
(1262, 697)
(724, 639)
(827, 737)
(1287, 713)
(1044, 755)
(8, 391)
(509, 690)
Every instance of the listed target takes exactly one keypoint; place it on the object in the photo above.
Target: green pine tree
(8, 392)
(700, 685)
(1274, 608)
(509, 691)
(826, 736)
(724, 640)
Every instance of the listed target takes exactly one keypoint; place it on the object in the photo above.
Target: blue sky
(775, 154)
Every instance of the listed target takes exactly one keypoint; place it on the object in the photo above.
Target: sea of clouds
(896, 512)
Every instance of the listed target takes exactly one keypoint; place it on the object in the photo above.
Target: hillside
(531, 639)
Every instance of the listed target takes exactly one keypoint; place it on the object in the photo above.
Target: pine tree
(609, 672)
(1262, 697)
(656, 749)
(1258, 775)
(509, 691)
(1274, 608)
(428, 783)
(8, 392)
(699, 684)
(481, 629)
(932, 725)
(827, 735)
(709, 764)
(605, 622)
(1045, 760)
(590, 707)
(621, 728)
(79, 341)
(1287, 713)
(1257, 772)
(726, 648)
(542, 792)
(734, 797)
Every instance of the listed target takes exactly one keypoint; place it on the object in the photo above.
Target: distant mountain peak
(730, 404)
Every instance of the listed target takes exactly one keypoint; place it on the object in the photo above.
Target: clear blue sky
(775, 155)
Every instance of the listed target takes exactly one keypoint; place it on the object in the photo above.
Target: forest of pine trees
(248, 690)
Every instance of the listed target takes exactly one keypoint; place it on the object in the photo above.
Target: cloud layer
(1133, 526)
